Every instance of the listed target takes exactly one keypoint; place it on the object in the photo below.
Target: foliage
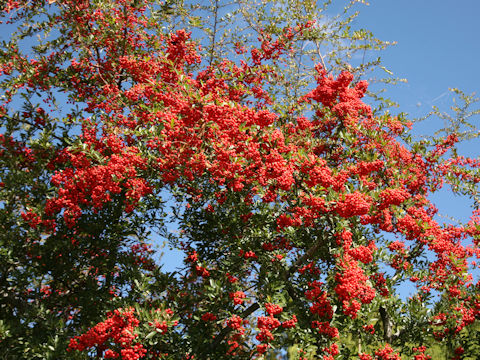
(301, 209)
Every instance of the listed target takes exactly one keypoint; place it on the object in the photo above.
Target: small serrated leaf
(150, 335)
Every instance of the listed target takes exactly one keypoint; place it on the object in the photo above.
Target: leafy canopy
(301, 209)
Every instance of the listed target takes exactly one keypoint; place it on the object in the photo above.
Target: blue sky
(438, 47)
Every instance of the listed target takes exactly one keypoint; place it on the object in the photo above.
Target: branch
(387, 324)
(214, 34)
(307, 255)
(226, 330)
(413, 253)
(301, 260)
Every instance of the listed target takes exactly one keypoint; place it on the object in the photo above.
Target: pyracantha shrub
(298, 225)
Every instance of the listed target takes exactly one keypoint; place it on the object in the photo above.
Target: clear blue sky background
(438, 47)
